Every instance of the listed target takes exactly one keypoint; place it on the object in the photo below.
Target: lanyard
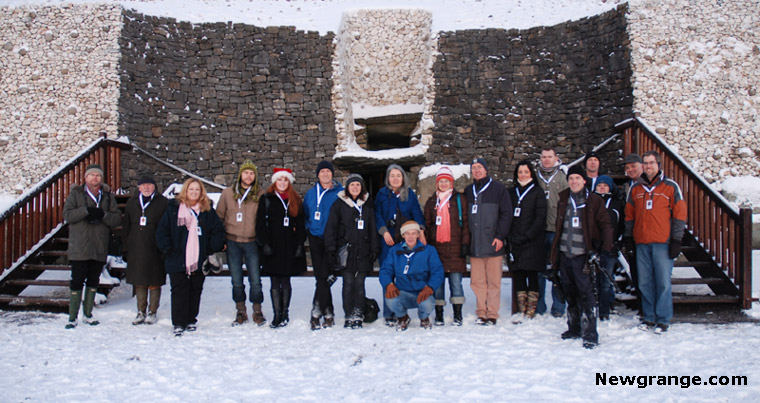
(550, 178)
(650, 190)
(576, 207)
(408, 260)
(145, 205)
(522, 196)
(92, 196)
(358, 207)
(481, 190)
(440, 206)
(283, 203)
(607, 205)
(320, 195)
(240, 201)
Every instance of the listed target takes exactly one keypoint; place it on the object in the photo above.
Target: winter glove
(331, 279)
(267, 250)
(391, 291)
(95, 214)
(299, 252)
(630, 246)
(464, 251)
(424, 294)
(674, 249)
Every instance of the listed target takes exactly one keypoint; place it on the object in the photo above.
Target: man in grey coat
(91, 212)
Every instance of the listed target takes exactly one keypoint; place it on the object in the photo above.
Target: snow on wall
(696, 80)
(59, 86)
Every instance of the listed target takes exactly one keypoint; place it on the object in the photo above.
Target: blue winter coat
(425, 268)
(317, 227)
(171, 239)
(387, 205)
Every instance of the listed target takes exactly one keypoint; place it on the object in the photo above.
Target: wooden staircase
(34, 239)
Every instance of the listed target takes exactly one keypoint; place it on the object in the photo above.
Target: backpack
(371, 310)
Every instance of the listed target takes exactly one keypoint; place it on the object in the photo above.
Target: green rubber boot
(89, 303)
(75, 300)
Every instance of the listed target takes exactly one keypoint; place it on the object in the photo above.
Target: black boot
(286, 292)
(588, 327)
(276, 295)
(458, 314)
(439, 315)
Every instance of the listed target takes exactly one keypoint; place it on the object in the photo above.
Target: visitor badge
(239, 217)
(317, 215)
(474, 209)
(576, 222)
(198, 231)
(517, 211)
(649, 204)
(438, 220)
(406, 269)
(360, 224)
(547, 194)
(285, 222)
(143, 221)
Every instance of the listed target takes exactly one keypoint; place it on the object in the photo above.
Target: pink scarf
(443, 231)
(189, 219)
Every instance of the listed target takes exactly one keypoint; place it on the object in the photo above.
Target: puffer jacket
(425, 268)
(526, 236)
(342, 228)
(89, 240)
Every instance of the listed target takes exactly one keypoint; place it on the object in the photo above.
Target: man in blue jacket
(317, 204)
(409, 274)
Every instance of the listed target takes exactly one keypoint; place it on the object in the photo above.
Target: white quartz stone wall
(383, 58)
(59, 86)
(696, 80)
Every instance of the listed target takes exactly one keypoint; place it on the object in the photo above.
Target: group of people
(570, 222)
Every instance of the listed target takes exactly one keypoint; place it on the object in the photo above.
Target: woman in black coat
(352, 222)
(145, 270)
(189, 231)
(281, 233)
(527, 256)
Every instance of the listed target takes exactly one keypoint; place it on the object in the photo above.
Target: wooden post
(744, 269)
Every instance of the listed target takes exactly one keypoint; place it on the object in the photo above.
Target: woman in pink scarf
(446, 228)
(189, 231)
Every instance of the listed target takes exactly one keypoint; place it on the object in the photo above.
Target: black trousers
(186, 297)
(322, 262)
(525, 280)
(579, 294)
(82, 270)
(354, 294)
(280, 282)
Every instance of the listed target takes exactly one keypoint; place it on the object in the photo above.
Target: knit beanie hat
(355, 178)
(444, 173)
(408, 226)
(325, 164)
(589, 155)
(253, 194)
(93, 168)
(606, 180)
(480, 161)
(577, 170)
(283, 172)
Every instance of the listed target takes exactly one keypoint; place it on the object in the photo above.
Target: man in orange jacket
(655, 219)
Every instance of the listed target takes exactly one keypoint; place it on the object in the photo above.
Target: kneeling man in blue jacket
(409, 274)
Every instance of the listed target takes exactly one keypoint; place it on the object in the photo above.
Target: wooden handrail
(724, 231)
(40, 210)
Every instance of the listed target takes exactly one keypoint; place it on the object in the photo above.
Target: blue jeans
(655, 269)
(408, 300)
(236, 251)
(558, 306)
(606, 289)
(455, 290)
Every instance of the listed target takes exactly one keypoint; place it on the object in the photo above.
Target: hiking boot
(151, 319)
(191, 327)
(481, 321)
(347, 324)
(569, 334)
(490, 322)
(241, 316)
(438, 315)
(402, 323)
(71, 324)
(258, 315)
(660, 328)
(590, 345)
(646, 325)
(314, 322)
(425, 324)
(329, 322)
(179, 331)
(356, 324)
(391, 321)
(458, 314)
(139, 319)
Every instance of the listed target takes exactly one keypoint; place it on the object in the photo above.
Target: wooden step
(59, 240)
(704, 299)
(696, 265)
(43, 267)
(15, 300)
(52, 253)
(52, 283)
(697, 280)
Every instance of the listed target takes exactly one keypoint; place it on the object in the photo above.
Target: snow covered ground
(115, 361)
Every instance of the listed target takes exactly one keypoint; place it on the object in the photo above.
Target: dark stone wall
(505, 94)
(207, 96)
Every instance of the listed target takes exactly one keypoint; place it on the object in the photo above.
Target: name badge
(317, 215)
(576, 222)
(285, 222)
(406, 269)
(474, 209)
(360, 224)
(239, 217)
(547, 194)
(143, 221)
(517, 211)
(198, 231)
(438, 220)
(649, 204)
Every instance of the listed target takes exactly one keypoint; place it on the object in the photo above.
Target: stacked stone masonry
(59, 86)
